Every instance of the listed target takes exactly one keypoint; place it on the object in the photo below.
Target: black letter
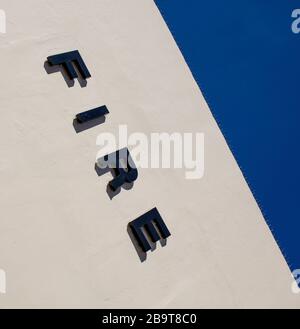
(67, 60)
(92, 114)
(123, 166)
(146, 221)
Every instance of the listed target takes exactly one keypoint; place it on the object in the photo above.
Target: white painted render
(63, 241)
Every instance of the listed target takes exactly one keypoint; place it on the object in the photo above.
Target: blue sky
(246, 61)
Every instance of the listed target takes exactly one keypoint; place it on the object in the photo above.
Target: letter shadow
(59, 68)
(79, 127)
(109, 191)
(140, 252)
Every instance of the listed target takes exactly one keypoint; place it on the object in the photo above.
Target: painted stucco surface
(63, 241)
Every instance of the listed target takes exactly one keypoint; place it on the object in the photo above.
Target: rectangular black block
(92, 114)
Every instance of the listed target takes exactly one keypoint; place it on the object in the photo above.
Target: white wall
(63, 242)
